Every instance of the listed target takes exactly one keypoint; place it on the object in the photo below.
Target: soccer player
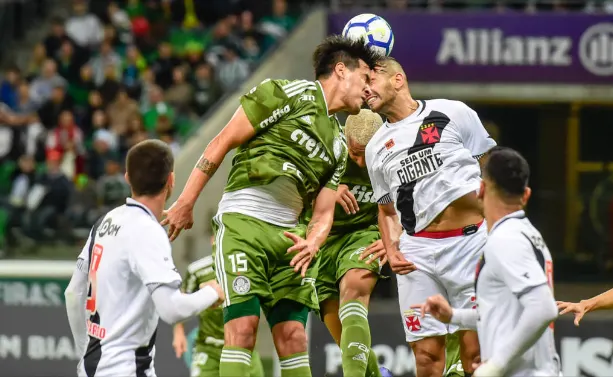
(210, 339)
(423, 165)
(125, 279)
(344, 280)
(603, 301)
(515, 304)
(291, 151)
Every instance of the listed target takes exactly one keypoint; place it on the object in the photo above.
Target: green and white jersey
(210, 329)
(295, 139)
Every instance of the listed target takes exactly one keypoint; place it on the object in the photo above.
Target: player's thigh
(356, 278)
(241, 258)
(205, 362)
(415, 288)
(257, 368)
(453, 363)
(325, 283)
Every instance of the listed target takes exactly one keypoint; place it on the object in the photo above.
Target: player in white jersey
(514, 280)
(424, 169)
(125, 278)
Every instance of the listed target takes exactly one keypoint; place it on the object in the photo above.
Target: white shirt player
(428, 160)
(516, 260)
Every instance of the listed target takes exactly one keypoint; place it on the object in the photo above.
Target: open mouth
(370, 100)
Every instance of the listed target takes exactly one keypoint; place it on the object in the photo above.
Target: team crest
(412, 322)
(241, 285)
(429, 133)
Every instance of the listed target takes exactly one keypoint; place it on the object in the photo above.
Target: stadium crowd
(110, 75)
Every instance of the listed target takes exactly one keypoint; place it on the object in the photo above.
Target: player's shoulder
(290, 88)
(200, 264)
(377, 142)
(509, 236)
(447, 106)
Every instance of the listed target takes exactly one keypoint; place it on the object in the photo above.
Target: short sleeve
(380, 187)
(267, 103)
(339, 171)
(83, 258)
(472, 132)
(196, 271)
(151, 258)
(515, 262)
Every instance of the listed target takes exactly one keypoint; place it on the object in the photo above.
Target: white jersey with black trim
(427, 160)
(515, 260)
(126, 256)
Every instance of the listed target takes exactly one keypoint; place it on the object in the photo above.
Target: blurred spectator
(15, 131)
(37, 60)
(276, 26)
(58, 102)
(42, 86)
(147, 85)
(174, 145)
(81, 86)
(83, 27)
(105, 147)
(95, 103)
(110, 86)
(133, 67)
(47, 199)
(157, 108)
(206, 90)
(106, 59)
(121, 111)
(112, 186)
(24, 103)
(68, 65)
(163, 65)
(180, 93)
(234, 71)
(8, 87)
(22, 180)
(121, 21)
(194, 54)
(56, 37)
(67, 142)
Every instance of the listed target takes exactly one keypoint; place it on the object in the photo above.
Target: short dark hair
(149, 164)
(508, 170)
(335, 49)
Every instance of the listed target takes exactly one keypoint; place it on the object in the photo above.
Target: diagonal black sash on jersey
(92, 356)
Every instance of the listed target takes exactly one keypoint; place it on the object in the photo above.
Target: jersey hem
(259, 216)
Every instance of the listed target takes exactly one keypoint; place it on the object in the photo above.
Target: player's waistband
(465, 231)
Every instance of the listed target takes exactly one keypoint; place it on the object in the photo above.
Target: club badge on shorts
(411, 320)
(241, 285)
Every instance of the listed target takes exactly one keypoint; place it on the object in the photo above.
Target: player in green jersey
(345, 281)
(209, 341)
(291, 155)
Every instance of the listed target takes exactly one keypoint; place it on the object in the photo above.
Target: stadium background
(539, 73)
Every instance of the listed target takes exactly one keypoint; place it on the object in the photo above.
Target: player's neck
(402, 107)
(155, 204)
(494, 213)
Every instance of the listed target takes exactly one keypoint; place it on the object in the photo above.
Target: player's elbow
(170, 318)
(551, 311)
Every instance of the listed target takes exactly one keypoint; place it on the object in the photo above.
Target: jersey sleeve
(473, 134)
(515, 262)
(198, 272)
(266, 103)
(380, 188)
(341, 166)
(83, 258)
(151, 258)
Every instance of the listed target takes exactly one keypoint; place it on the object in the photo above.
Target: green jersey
(210, 329)
(295, 137)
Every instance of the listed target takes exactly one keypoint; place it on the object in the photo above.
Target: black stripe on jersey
(429, 134)
(138, 206)
(143, 358)
(93, 354)
(538, 253)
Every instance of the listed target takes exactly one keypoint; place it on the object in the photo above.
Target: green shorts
(205, 362)
(340, 254)
(453, 364)
(251, 260)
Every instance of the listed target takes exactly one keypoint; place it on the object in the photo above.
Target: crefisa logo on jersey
(108, 228)
(241, 285)
(275, 116)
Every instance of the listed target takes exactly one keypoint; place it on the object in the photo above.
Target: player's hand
(178, 217)
(347, 200)
(375, 250)
(306, 252)
(437, 306)
(579, 308)
(399, 264)
(216, 287)
(179, 341)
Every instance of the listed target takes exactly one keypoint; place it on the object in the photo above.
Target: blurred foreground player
(125, 278)
(514, 281)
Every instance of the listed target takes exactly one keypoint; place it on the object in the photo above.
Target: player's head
(149, 169)
(346, 64)
(505, 178)
(359, 129)
(388, 79)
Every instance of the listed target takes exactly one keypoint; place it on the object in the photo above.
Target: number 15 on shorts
(239, 262)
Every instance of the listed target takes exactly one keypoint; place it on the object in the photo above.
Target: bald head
(390, 67)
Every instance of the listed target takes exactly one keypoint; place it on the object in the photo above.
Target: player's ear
(171, 180)
(481, 191)
(125, 175)
(398, 80)
(340, 69)
(526, 196)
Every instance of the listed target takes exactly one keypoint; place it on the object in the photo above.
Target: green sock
(372, 369)
(296, 365)
(355, 338)
(234, 362)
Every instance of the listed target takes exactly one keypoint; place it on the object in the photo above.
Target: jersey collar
(135, 204)
(323, 96)
(513, 215)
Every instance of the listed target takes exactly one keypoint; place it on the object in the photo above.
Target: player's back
(428, 160)
(122, 319)
(514, 243)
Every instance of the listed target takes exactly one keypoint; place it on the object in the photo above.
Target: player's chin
(355, 110)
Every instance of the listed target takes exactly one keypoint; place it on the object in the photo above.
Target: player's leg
(257, 369)
(453, 363)
(205, 362)
(240, 268)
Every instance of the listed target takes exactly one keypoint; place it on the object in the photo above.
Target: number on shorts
(91, 304)
(239, 262)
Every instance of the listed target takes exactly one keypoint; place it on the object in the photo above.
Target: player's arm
(75, 297)
(472, 133)
(389, 227)
(151, 260)
(515, 263)
(603, 301)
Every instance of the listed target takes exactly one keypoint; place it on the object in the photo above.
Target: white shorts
(445, 266)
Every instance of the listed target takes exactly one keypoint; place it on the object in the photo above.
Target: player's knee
(357, 284)
(290, 338)
(429, 355)
(241, 332)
